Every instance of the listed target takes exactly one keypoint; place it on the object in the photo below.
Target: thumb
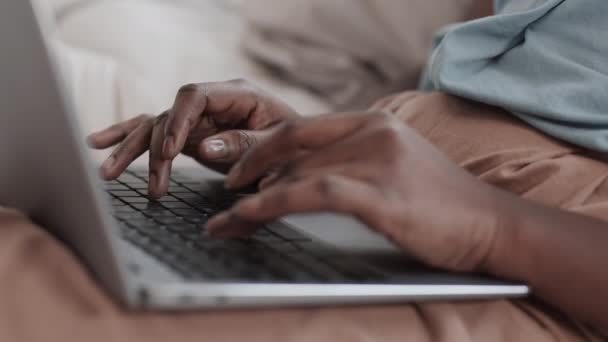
(229, 146)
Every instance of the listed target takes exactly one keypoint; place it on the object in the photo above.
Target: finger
(288, 139)
(339, 153)
(130, 149)
(349, 169)
(190, 102)
(337, 158)
(229, 146)
(323, 193)
(115, 133)
(159, 168)
(381, 103)
(269, 180)
(227, 225)
(400, 101)
(231, 104)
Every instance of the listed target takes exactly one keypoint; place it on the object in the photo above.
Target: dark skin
(236, 108)
(374, 167)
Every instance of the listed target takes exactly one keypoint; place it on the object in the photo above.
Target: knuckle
(240, 82)
(161, 118)
(244, 141)
(246, 86)
(326, 186)
(241, 141)
(143, 117)
(189, 88)
(146, 120)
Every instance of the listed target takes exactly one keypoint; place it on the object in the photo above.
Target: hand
(237, 110)
(377, 169)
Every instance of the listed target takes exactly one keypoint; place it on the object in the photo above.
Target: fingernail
(216, 149)
(168, 146)
(91, 141)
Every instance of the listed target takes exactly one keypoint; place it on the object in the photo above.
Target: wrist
(502, 252)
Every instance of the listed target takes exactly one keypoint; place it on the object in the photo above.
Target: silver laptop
(155, 254)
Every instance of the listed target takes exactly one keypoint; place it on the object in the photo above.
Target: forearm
(562, 256)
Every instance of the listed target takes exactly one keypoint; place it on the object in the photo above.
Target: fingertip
(217, 223)
(91, 141)
(158, 183)
(154, 190)
(155, 193)
(104, 175)
(107, 169)
(248, 207)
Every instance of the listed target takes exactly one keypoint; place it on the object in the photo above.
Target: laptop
(155, 254)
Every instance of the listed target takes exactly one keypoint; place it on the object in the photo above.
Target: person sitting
(495, 167)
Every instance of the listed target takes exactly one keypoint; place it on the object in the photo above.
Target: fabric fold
(541, 60)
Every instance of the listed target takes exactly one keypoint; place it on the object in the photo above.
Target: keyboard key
(187, 195)
(177, 189)
(288, 233)
(281, 246)
(167, 221)
(172, 230)
(167, 199)
(129, 216)
(175, 205)
(185, 228)
(196, 219)
(123, 209)
(109, 187)
(150, 228)
(129, 179)
(139, 206)
(120, 193)
(153, 212)
(187, 212)
(135, 199)
(139, 186)
(117, 202)
(318, 267)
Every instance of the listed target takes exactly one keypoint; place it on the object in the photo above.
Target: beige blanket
(46, 295)
(350, 52)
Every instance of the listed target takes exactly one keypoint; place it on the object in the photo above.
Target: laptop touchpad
(344, 232)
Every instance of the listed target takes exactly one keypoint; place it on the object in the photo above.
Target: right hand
(214, 123)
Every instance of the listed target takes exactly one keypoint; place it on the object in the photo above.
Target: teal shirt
(546, 61)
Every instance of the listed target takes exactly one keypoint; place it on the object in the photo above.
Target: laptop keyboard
(172, 230)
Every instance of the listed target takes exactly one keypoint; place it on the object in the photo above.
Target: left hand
(374, 167)
(214, 123)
